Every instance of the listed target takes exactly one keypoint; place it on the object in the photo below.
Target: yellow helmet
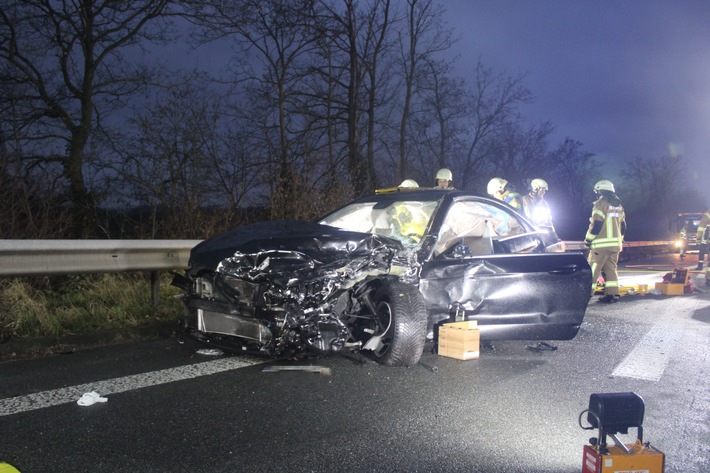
(496, 185)
(604, 185)
(537, 184)
(444, 173)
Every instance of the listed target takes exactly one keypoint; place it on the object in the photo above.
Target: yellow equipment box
(671, 289)
(460, 340)
(641, 458)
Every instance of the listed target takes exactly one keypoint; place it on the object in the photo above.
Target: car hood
(312, 242)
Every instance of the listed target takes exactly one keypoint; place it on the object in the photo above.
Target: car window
(476, 225)
(354, 217)
(403, 220)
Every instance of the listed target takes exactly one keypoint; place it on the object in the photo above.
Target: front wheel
(401, 319)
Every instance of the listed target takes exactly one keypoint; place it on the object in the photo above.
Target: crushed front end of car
(287, 289)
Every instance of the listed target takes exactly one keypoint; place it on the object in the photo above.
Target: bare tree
(279, 34)
(521, 154)
(654, 180)
(494, 103)
(423, 37)
(437, 131)
(68, 58)
(185, 163)
(343, 29)
(377, 42)
(656, 186)
(571, 173)
(355, 42)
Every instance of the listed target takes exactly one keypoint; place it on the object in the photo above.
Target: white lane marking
(650, 356)
(54, 397)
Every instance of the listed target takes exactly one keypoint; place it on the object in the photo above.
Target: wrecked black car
(378, 276)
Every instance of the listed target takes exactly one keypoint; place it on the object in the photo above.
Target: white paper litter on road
(55, 397)
(89, 399)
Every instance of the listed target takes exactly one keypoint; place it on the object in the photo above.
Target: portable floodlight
(615, 413)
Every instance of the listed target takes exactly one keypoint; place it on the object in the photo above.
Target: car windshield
(404, 220)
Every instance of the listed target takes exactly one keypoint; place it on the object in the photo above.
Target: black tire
(402, 316)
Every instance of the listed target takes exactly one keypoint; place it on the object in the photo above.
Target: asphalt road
(169, 409)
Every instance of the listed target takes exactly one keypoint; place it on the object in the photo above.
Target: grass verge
(82, 304)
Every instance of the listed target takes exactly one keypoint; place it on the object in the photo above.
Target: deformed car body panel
(288, 287)
(312, 239)
(526, 296)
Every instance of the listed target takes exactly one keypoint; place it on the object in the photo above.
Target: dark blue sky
(627, 78)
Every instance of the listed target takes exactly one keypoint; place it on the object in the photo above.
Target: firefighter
(409, 183)
(409, 223)
(499, 189)
(605, 237)
(703, 234)
(444, 178)
(535, 205)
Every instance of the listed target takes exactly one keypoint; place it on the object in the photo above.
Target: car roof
(395, 194)
(424, 195)
(419, 193)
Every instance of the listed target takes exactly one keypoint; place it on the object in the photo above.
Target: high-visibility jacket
(610, 234)
(513, 199)
(704, 228)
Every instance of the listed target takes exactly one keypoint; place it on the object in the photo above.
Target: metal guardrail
(47, 257)
(41, 257)
(580, 246)
(632, 249)
(44, 257)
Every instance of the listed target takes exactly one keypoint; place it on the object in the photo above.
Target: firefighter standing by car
(499, 189)
(444, 178)
(703, 234)
(605, 237)
(536, 207)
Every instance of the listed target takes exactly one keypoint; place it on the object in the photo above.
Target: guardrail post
(155, 288)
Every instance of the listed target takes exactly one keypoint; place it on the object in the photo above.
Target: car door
(489, 265)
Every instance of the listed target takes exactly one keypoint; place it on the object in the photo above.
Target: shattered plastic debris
(88, 399)
(432, 368)
(322, 370)
(542, 346)
(210, 351)
(655, 292)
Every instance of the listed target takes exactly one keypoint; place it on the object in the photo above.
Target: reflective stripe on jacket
(612, 217)
(513, 199)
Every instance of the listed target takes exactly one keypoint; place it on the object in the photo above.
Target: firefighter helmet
(537, 184)
(444, 173)
(409, 183)
(604, 185)
(496, 185)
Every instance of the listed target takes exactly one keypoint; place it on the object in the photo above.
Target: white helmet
(604, 185)
(537, 184)
(409, 183)
(444, 173)
(496, 185)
